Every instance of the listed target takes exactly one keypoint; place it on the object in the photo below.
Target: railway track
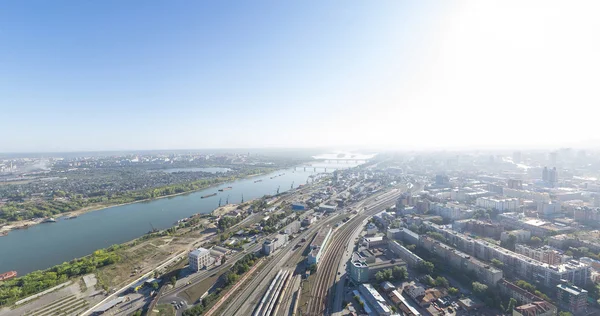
(243, 301)
(326, 272)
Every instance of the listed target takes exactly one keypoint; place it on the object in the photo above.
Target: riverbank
(24, 224)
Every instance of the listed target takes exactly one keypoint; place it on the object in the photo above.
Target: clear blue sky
(104, 75)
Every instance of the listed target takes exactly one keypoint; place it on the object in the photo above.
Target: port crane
(227, 200)
(292, 185)
(242, 198)
(278, 189)
(219, 202)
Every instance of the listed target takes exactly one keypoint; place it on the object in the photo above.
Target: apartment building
(543, 254)
(500, 204)
(541, 308)
(462, 261)
(527, 268)
(571, 298)
(408, 256)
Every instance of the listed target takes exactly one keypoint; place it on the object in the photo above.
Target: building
(518, 293)
(520, 235)
(479, 228)
(308, 220)
(536, 226)
(543, 254)
(539, 308)
(535, 271)
(548, 209)
(198, 259)
(292, 228)
(469, 304)
(371, 229)
(442, 180)
(375, 299)
(327, 208)
(373, 242)
(364, 265)
(451, 211)
(526, 195)
(403, 305)
(299, 206)
(462, 261)
(387, 286)
(500, 204)
(406, 255)
(515, 184)
(571, 298)
(270, 245)
(318, 244)
(588, 216)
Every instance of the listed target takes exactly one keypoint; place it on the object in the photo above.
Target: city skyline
(122, 76)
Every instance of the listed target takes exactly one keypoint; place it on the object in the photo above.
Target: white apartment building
(502, 205)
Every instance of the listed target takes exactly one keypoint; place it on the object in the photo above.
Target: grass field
(164, 310)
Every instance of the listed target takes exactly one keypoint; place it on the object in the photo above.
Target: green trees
(452, 291)
(425, 267)
(312, 268)
(399, 273)
(565, 314)
(535, 241)
(173, 280)
(38, 281)
(437, 236)
(497, 263)
(510, 243)
(479, 289)
(384, 275)
(442, 282)
(511, 305)
(240, 267)
(531, 289)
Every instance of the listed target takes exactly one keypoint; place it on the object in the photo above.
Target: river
(45, 245)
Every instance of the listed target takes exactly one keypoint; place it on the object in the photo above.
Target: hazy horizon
(127, 76)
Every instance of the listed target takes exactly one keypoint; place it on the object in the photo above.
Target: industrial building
(318, 245)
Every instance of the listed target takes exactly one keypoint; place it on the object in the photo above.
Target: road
(123, 289)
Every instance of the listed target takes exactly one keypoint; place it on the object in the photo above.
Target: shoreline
(24, 224)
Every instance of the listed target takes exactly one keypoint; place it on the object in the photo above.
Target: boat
(208, 195)
(2, 234)
(71, 217)
(8, 275)
(49, 220)
(257, 181)
(225, 189)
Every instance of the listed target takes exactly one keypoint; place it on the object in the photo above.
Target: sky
(126, 75)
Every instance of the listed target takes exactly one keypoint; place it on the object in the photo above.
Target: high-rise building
(545, 174)
(517, 157)
(515, 184)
